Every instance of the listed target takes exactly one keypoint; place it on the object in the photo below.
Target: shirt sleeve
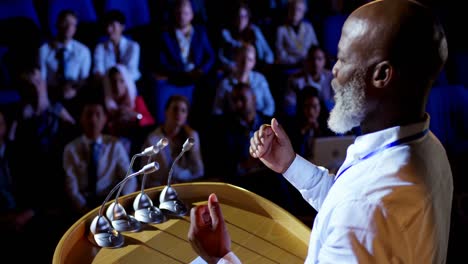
(71, 179)
(99, 59)
(86, 64)
(42, 61)
(263, 47)
(230, 258)
(134, 61)
(312, 181)
(268, 101)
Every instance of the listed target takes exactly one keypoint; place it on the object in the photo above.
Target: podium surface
(261, 231)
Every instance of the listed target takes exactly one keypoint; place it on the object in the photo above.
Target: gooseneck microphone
(116, 212)
(104, 235)
(168, 199)
(188, 144)
(143, 206)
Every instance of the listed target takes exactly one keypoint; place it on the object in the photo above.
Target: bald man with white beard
(390, 201)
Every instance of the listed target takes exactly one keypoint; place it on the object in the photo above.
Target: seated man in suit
(94, 163)
(186, 53)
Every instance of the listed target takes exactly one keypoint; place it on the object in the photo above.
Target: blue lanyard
(389, 145)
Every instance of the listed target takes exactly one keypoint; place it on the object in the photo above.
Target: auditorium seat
(18, 8)
(137, 12)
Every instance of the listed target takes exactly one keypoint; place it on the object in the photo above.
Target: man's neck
(116, 40)
(242, 76)
(383, 119)
(185, 29)
(92, 136)
(63, 40)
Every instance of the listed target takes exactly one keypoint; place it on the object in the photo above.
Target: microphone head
(162, 143)
(149, 168)
(188, 144)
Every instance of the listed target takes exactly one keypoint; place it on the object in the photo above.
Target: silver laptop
(330, 152)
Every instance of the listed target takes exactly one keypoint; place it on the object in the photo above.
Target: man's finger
(215, 211)
(278, 130)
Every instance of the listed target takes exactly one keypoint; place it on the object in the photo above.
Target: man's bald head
(404, 32)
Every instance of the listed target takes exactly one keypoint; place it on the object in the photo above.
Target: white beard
(350, 104)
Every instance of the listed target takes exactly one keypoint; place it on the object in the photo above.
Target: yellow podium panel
(261, 231)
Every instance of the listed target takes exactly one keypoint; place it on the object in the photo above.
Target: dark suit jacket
(201, 52)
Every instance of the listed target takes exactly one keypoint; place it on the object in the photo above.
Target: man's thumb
(278, 129)
(215, 211)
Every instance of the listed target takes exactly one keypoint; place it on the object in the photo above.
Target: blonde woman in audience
(190, 166)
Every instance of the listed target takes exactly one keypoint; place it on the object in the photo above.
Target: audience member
(94, 162)
(127, 110)
(186, 54)
(13, 216)
(244, 73)
(313, 74)
(309, 123)
(42, 130)
(118, 49)
(190, 166)
(242, 30)
(294, 38)
(22, 223)
(65, 63)
(236, 126)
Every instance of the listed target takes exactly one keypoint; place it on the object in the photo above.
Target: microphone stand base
(111, 239)
(150, 215)
(130, 225)
(174, 207)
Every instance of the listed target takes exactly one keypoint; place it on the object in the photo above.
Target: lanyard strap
(389, 145)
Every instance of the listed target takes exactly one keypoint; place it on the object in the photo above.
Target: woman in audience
(310, 122)
(127, 110)
(313, 74)
(244, 73)
(242, 30)
(175, 129)
(294, 38)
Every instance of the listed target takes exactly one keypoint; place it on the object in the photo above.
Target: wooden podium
(261, 231)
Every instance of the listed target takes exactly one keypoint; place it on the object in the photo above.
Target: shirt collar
(122, 43)
(88, 141)
(68, 46)
(367, 143)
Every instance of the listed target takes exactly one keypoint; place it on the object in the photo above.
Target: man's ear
(383, 73)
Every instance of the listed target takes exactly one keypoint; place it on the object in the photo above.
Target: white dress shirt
(77, 57)
(129, 50)
(112, 167)
(393, 207)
